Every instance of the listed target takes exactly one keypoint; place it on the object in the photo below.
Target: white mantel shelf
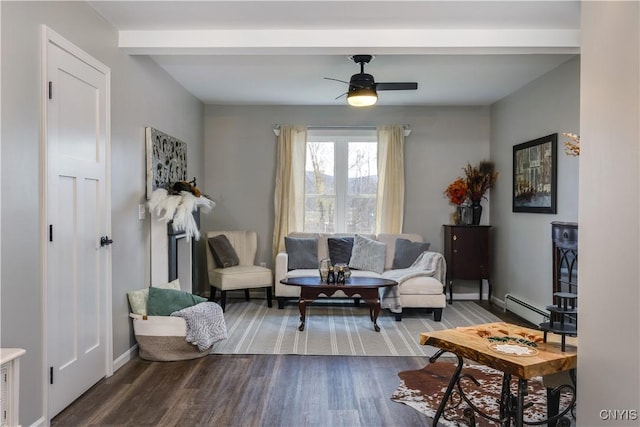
(8, 354)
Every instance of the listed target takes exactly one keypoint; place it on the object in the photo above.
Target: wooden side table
(467, 250)
(472, 342)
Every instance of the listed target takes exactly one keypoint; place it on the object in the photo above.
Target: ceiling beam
(340, 41)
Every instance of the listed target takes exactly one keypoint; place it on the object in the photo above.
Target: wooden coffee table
(366, 287)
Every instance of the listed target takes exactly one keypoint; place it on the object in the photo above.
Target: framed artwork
(166, 160)
(535, 166)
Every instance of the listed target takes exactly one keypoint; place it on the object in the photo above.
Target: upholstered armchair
(231, 264)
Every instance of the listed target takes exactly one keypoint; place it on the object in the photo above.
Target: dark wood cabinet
(467, 250)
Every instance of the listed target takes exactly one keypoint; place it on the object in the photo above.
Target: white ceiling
(277, 52)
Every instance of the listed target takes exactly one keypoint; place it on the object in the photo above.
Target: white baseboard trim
(499, 302)
(468, 296)
(125, 357)
(39, 423)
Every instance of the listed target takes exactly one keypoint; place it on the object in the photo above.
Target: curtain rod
(276, 128)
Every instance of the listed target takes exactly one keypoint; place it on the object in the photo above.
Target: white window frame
(341, 138)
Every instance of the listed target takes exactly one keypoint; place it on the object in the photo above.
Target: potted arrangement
(479, 179)
(457, 194)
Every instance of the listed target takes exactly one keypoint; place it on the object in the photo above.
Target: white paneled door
(77, 219)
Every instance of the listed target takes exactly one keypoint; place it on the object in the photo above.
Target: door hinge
(51, 375)
(51, 232)
(50, 90)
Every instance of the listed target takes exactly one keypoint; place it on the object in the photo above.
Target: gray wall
(240, 157)
(444, 139)
(142, 95)
(608, 369)
(522, 241)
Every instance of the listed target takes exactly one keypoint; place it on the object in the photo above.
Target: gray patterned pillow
(302, 252)
(368, 254)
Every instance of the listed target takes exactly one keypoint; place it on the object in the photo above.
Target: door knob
(105, 240)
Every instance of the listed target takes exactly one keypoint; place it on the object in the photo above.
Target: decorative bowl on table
(514, 346)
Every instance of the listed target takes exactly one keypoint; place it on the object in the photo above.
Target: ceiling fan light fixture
(363, 97)
(363, 90)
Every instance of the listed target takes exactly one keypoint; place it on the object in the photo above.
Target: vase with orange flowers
(457, 193)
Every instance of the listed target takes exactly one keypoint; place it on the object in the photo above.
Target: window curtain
(289, 191)
(390, 197)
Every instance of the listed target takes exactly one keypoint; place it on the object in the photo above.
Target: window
(341, 181)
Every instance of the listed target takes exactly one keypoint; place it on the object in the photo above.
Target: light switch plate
(142, 211)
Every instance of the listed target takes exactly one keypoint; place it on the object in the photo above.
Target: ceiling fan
(363, 90)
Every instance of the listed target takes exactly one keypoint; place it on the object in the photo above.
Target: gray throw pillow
(407, 252)
(340, 249)
(302, 252)
(223, 253)
(368, 254)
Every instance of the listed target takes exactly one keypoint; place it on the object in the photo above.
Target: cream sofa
(417, 289)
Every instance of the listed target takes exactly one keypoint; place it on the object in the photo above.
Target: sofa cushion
(340, 249)
(407, 252)
(302, 251)
(163, 302)
(368, 254)
(421, 285)
(241, 277)
(223, 252)
(364, 273)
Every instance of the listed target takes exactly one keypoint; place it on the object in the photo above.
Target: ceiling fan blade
(340, 96)
(337, 80)
(397, 86)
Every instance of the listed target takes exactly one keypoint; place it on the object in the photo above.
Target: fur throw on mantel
(179, 208)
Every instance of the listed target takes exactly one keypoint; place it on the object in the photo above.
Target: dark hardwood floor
(506, 316)
(253, 390)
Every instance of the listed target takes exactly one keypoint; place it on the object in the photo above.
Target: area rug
(423, 389)
(335, 328)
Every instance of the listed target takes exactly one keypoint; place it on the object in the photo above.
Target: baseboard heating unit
(524, 313)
